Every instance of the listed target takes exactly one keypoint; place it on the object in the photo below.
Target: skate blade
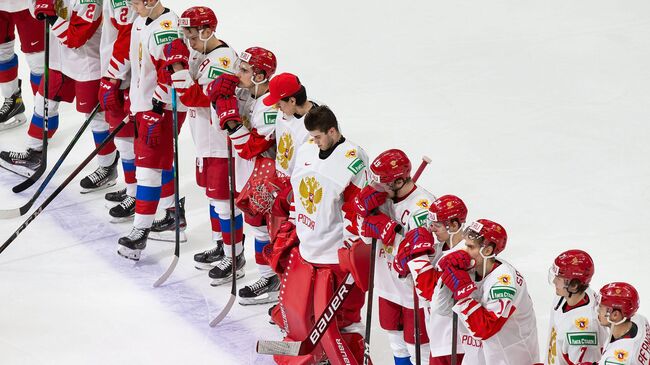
(17, 120)
(121, 219)
(205, 266)
(18, 170)
(228, 279)
(107, 185)
(265, 298)
(167, 236)
(128, 253)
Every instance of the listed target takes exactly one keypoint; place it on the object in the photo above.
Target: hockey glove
(110, 97)
(459, 282)
(381, 227)
(150, 124)
(181, 81)
(368, 199)
(285, 240)
(223, 87)
(459, 260)
(227, 110)
(45, 9)
(356, 260)
(417, 242)
(176, 52)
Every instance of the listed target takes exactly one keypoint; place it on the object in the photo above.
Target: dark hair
(580, 286)
(321, 118)
(300, 96)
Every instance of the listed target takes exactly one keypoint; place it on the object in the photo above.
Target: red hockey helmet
(198, 16)
(620, 296)
(391, 165)
(491, 232)
(574, 264)
(446, 208)
(261, 59)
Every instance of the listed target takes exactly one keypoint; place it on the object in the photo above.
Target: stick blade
(167, 273)
(10, 213)
(288, 348)
(224, 311)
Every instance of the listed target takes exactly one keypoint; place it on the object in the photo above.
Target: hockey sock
(99, 126)
(214, 222)
(402, 360)
(125, 146)
(224, 222)
(398, 345)
(261, 235)
(167, 191)
(8, 70)
(36, 67)
(147, 196)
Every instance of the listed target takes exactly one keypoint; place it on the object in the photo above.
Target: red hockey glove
(149, 122)
(356, 261)
(227, 110)
(368, 199)
(379, 226)
(417, 242)
(181, 81)
(176, 52)
(223, 86)
(459, 260)
(459, 282)
(282, 204)
(110, 97)
(45, 9)
(285, 240)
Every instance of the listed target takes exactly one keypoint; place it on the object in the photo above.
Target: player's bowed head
(571, 274)
(447, 217)
(148, 8)
(199, 24)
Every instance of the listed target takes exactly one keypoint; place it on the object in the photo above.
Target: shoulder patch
(505, 279)
(118, 3)
(166, 24)
(165, 36)
(582, 338)
(269, 117)
(351, 153)
(502, 292)
(356, 166)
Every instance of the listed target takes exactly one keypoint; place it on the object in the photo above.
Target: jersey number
(90, 13)
(123, 15)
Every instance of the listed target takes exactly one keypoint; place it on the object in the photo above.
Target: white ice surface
(535, 113)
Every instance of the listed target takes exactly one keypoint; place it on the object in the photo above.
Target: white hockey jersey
(502, 299)
(319, 187)
(410, 212)
(630, 351)
(148, 39)
(290, 133)
(575, 334)
(12, 6)
(209, 139)
(115, 40)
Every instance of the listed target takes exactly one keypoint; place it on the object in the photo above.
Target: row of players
(233, 96)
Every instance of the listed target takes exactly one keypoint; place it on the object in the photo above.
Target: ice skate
(21, 163)
(101, 178)
(12, 112)
(222, 272)
(264, 290)
(206, 260)
(164, 229)
(132, 245)
(123, 211)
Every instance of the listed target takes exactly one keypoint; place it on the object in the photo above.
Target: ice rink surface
(534, 112)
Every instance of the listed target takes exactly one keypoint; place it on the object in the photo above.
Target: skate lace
(6, 107)
(224, 263)
(136, 234)
(259, 284)
(127, 202)
(19, 155)
(99, 174)
(168, 216)
(212, 251)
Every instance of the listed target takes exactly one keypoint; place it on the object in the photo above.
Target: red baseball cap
(280, 87)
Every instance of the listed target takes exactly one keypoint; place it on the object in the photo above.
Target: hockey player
(400, 202)
(150, 95)
(251, 127)
(75, 72)
(14, 15)
(575, 335)
(629, 342)
(329, 172)
(210, 58)
(113, 98)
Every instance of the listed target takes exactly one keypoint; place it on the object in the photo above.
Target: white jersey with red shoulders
(116, 37)
(633, 349)
(209, 139)
(320, 189)
(256, 136)
(290, 134)
(75, 38)
(575, 335)
(500, 313)
(410, 212)
(13, 6)
(148, 39)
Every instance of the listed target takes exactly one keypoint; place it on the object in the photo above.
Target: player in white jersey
(150, 95)
(74, 74)
(629, 341)
(113, 98)
(251, 127)
(575, 335)
(210, 57)
(392, 199)
(15, 15)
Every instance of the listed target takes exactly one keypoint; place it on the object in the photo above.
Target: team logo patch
(225, 61)
(166, 24)
(421, 218)
(118, 3)
(311, 193)
(356, 166)
(552, 347)
(61, 9)
(582, 338)
(351, 153)
(505, 279)
(621, 355)
(423, 203)
(165, 37)
(215, 72)
(269, 117)
(502, 292)
(582, 323)
(285, 150)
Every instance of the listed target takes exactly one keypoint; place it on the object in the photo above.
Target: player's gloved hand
(223, 87)
(285, 239)
(127, 101)
(417, 242)
(459, 259)
(176, 52)
(355, 259)
(45, 9)
(181, 81)
(459, 282)
(381, 227)
(110, 97)
(150, 125)
(368, 199)
(282, 204)
(227, 110)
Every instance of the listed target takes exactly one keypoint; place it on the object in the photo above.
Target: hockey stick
(63, 185)
(371, 285)
(306, 346)
(177, 203)
(233, 256)
(454, 338)
(17, 212)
